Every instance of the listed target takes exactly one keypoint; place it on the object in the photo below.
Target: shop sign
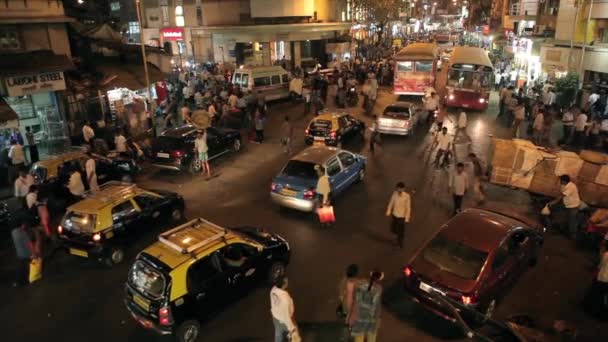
(522, 45)
(172, 33)
(35, 83)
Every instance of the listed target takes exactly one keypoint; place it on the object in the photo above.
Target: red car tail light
(59, 229)
(309, 194)
(164, 316)
(407, 271)
(332, 134)
(467, 300)
(306, 131)
(273, 187)
(177, 154)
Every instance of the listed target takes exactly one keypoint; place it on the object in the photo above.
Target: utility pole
(572, 35)
(149, 102)
(580, 66)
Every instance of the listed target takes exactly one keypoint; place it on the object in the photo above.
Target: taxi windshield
(146, 279)
(77, 222)
(320, 125)
(454, 257)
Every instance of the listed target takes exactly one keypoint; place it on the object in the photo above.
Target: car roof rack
(187, 238)
(127, 188)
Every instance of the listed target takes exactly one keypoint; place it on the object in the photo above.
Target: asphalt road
(80, 299)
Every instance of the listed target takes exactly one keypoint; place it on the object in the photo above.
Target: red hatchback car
(473, 259)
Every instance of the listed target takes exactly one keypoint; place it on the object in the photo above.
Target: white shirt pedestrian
(281, 307)
(121, 143)
(88, 133)
(444, 141)
(400, 205)
(91, 170)
(459, 183)
(571, 198)
(22, 185)
(15, 153)
(462, 120)
(581, 122)
(75, 184)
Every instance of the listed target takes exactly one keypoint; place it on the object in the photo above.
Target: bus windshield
(417, 66)
(470, 79)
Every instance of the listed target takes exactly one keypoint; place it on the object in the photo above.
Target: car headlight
(451, 97)
(482, 100)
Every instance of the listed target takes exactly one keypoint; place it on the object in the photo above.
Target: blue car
(294, 187)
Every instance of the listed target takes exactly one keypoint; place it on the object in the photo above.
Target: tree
(377, 12)
(566, 88)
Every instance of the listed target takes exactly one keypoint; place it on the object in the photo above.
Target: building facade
(255, 32)
(34, 55)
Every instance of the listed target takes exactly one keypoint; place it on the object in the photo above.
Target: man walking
(23, 241)
(444, 143)
(88, 134)
(17, 157)
(520, 115)
(282, 310)
(373, 137)
(571, 201)
(478, 175)
(286, 135)
(399, 209)
(31, 143)
(459, 183)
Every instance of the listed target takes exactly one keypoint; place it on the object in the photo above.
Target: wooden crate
(593, 194)
(588, 172)
(501, 175)
(503, 155)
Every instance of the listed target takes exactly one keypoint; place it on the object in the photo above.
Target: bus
(469, 80)
(415, 68)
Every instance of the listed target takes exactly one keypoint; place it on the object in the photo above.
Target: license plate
(288, 192)
(465, 105)
(397, 124)
(141, 302)
(162, 155)
(428, 288)
(79, 252)
(319, 138)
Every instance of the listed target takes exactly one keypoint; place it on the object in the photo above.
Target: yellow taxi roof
(329, 116)
(54, 161)
(191, 240)
(109, 193)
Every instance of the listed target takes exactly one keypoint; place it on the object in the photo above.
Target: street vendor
(571, 202)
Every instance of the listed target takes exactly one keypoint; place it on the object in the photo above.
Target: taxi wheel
(115, 257)
(276, 270)
(177, 214)
(188, 331)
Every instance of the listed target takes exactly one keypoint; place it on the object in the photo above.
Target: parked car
(333, 128)
(474, 258)
(105, 222)
(197, 268)
(294, 187)
(272, 82)
(399, 118)
(174, 148)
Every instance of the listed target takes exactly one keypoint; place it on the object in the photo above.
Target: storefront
(526, 62)
(32, 87)
(173, 39)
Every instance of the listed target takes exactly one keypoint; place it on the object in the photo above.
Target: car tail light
(59, 229)
(273, 187)
(407, 271)
(177, 154)
(467, 300)
(306, 131)
(332, 134)
(309, 194)
(164, 316)
(96, 237)
(482, 100)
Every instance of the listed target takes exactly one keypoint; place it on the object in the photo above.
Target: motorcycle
(352, 98)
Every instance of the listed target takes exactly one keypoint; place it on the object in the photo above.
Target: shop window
(261, 81)
(9, 38)
(115, 6)
(179, 16)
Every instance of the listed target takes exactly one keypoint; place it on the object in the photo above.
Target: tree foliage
(565, 88)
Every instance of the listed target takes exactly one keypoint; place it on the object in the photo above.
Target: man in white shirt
(121, 142)
(15, 153)
(568, 124)
(75, 185)
(462, 123)
(431, 103)
(399, 209)
(91, 171)
(459, 183)
(282, 310)
(444, 143)
(571, 201)
(22, 184)
(323, 188)
(88, 134)
(31, 199)
(580, 125)
(233, 100)
(519, 114)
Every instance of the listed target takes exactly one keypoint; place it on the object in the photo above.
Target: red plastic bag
(326, 214)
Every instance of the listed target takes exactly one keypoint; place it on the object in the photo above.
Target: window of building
(199, 12)
(115, 6)
(179, 16)
(164, 10)
(133, 33)
(9, 38)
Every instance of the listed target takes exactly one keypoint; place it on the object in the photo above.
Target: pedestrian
(259, 126)
(75, 185)
(510, 104)
(201, 148)
(38, 209)
(444, 143)
(17, 157)
(571, 201)
(459, 183)
(364, 318)
(307, 99)
(185, 114)
(537, 127)
(374, 135)
(22, 185)
(399, 209)
(580, 126)
(31, 143)
(286, 135)
(519, 114)
(596, 300)
(323, 189)
(282, 310)
(478, 177)
(462, 123)
(88, 134)
(120, 142)
(568, 125)
(346, 291)
(24, 242)
(90, 168)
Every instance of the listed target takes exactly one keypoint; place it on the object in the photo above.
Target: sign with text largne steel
(281, 8)
(172, 33)
(35, 83)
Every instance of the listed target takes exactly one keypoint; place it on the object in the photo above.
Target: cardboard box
(545, 182)
(503, 153)
(501, 175)
(588, 172)
(593, 194)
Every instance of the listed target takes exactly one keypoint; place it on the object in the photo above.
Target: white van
(271, 81)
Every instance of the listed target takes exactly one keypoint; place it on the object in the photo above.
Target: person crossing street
(399, 209)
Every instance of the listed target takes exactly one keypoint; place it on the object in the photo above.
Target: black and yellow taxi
(197, 268)
(333, 129)
(105, 222)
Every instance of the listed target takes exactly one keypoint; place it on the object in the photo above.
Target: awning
(131, 76)
(33, 62)
(8, 117)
